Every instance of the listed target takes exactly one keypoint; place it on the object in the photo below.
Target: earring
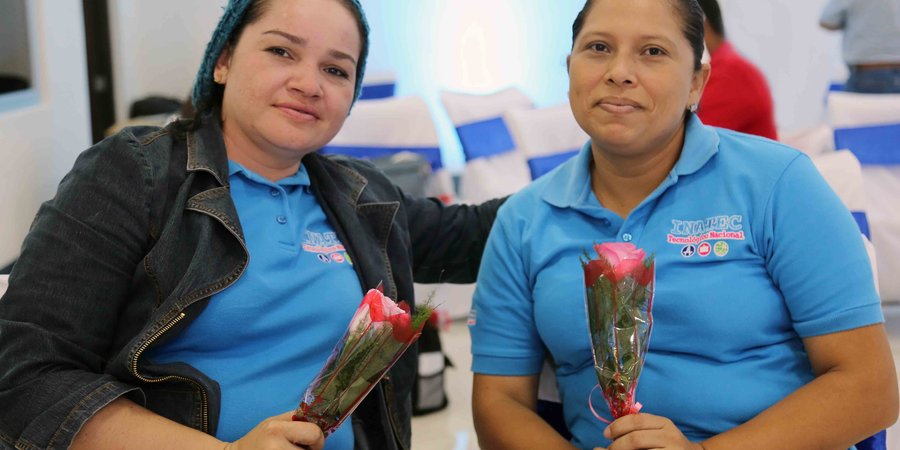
(217, 78)
(693, 107)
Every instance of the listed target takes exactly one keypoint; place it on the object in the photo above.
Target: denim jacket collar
(201, 155)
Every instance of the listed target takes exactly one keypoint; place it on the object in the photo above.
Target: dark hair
(254, 12)
(691, 24)
(713, 15)
(258, 8)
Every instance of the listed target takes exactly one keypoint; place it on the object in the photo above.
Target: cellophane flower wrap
(380, 331)
(619, 298)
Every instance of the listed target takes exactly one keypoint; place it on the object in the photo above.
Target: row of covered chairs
(868, 126)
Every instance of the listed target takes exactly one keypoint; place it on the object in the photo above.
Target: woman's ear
(568, 62)
(698, 83)
(220, 72)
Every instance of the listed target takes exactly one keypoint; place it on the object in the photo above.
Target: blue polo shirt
(753, 253)
(266, 336)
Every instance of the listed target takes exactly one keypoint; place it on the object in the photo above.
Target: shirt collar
(300, 178)
(571, 185)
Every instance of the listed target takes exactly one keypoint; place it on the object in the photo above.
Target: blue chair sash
(875, 145)
(431, 154)
(485, 138)
(543, 164)
(863, 223)
(376, 91)
(876, 442)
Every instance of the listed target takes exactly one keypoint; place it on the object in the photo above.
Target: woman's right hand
(280, 432)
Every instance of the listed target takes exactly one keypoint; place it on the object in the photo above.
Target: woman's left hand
(646, 431)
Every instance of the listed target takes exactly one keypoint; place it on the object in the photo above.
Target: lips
(618, 105)
(299, 111)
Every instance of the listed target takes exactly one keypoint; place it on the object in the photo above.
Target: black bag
(428, 393)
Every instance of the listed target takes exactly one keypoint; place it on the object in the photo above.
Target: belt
(876, 66)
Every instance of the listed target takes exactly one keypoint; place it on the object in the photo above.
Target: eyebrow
(297, 40)
(643, 37)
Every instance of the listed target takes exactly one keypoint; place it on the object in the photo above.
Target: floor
(452, 429)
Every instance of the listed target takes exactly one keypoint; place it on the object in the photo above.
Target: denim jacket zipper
(134, 369)
(181, 315)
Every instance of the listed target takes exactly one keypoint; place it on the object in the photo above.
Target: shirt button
(275, 192)
(627, 237)
(281, 219)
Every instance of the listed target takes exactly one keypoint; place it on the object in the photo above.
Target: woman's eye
(278, 51)
(599, 47)
(337, 72)
(655, 51)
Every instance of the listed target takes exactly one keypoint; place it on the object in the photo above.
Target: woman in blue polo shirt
(186, 283)
(767, 327)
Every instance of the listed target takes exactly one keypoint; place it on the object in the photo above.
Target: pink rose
(624, 259)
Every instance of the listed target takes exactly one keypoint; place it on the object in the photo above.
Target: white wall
(40, 140)
(157, 46)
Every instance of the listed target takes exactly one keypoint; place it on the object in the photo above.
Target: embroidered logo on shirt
(721, 248)
(325, 246)
(693, 232)
(704, 249)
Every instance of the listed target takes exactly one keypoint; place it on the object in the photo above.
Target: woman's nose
(306, 81)
(619, 71)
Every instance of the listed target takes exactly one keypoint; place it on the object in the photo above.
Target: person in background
(871, 42)
(737, 95)
(767, 329)
(187, 283)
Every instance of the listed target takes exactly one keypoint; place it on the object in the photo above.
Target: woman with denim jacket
(168, 298)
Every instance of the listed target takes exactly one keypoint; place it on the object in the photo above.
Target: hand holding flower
(646, 431)
(380, 331)
(279, 432)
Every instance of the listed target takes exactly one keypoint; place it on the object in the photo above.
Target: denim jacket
(141, 233)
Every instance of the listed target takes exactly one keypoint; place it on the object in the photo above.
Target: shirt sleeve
(816, 255)
(504, 336)
(835, 13)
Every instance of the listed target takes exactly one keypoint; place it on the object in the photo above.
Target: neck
(268, 165)
(621, 183)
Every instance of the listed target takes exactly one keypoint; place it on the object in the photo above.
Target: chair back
(493, 166)
(548, 136)
(869, 126)
(812, 141)
(385, 127)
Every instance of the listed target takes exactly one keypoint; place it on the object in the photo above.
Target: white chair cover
(493, 166)
(548, 136)
(812, 141)
(4, 283)
(385, 127)
(869, 126)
